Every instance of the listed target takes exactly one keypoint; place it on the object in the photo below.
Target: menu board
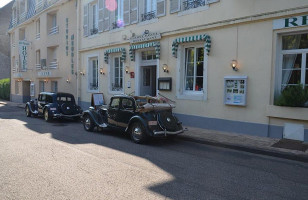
(97, 99)
(235, 90)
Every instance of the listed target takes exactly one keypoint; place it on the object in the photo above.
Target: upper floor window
(52, 57)
(93, 18)
(22, 6)
(13, 39)
(38, 59)
(38, 29)
(183, 5)
(117, 17)
(22, 34)
(52, 26)
(149, 11)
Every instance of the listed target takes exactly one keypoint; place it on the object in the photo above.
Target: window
(52, 57)
(38, 29)
(294, 61)
(52, 26)
(117, 75)
(54, 86)
(13, 39)
(16, 87)
(22, 34)
(93, 18)
(148, 55)
(93, 74)
(38, 59)
(115, 103)
(149, 10)
(183, 5)
(194, 58)
(127, 104)
(118, 15)
(192, 74)
(42, 86)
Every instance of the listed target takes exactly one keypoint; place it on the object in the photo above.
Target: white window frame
(180, 86)
(91, 24)
(54, 86)
(89, 59)
(112, 73)
(279, 60)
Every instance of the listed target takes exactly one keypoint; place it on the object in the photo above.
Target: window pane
(292, 61)
(199, 68)
(189, 83)
(190, 69)
(189, 55)
(199, 84)
(294, 76)
(299, 41)
(200, 54)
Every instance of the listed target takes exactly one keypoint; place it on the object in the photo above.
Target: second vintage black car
(54, 105)
(141, 117)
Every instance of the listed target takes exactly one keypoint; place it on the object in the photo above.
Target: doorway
(148, 81)
(26, 91)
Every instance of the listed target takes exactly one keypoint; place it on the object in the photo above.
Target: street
(60, 160)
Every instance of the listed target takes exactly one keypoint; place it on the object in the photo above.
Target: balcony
(148, 16)
(93, 31)
(22, 17)
(53, 64)
(115, 25)
(53, 30)
(39, 6)
(190, 4)
(38, 66)
(38, 36)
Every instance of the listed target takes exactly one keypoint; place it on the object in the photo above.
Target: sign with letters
(235, 90)
(23, 46)
(44, 74)
(145, 37)
(290, 22)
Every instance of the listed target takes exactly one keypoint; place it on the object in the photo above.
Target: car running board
(103, 125)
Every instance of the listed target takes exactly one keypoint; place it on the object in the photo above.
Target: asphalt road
(59, 160)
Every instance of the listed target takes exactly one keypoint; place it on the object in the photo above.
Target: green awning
(134, 47)
(195, 38)
(115, 50)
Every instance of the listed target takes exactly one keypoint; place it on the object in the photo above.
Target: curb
(255, 150)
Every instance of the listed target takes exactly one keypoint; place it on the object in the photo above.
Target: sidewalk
(252, 144)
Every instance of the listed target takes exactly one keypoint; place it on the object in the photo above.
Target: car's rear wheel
(88, 123)
(47, 116)
(137, 133)
(28, 112)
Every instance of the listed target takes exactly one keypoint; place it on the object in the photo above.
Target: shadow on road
(192, 177)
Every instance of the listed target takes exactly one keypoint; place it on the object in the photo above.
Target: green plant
(5, 89)
(294, 96)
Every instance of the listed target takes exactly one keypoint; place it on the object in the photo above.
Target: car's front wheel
(88, 123)
(28, 112)
(137, 133)
(47, 116)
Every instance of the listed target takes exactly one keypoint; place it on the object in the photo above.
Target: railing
(93, 86)
(190, 4)
(93, 31)
(38, 36)
(54, 30)
(14, 22)
(115, 25)
(22, 17)
(53, 64)
(148, 16)
(13, 45)
(38, 66)
(39, 6)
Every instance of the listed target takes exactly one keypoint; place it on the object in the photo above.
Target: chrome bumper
(167, 132)
(69, 116)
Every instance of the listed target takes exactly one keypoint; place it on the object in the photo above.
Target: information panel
(235, 90)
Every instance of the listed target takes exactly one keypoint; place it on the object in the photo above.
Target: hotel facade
(223, 62)
(43, 48)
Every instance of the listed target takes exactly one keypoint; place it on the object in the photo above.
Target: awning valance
(195, 38)
(134, 47)
(115, 50)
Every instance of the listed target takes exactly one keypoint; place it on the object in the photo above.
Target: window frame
(89, 59)
(180, 86)
(112, 73)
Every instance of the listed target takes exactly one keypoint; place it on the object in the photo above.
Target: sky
(4, 2)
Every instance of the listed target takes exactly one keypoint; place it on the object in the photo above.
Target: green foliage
(5, 89)
(293, 96)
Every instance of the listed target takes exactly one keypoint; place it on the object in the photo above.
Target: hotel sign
(145, 37)
(44, 74)
(23, 46)
(290, 22)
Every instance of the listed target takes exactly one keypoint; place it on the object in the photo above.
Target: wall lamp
(101, 71)
(165, 68)
(126, 69)
(81, 73)
(234, 65)
(68, 80)
(46, 81)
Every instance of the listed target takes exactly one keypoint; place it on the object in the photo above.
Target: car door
(113, 111)
(126, 112)
(41, 103)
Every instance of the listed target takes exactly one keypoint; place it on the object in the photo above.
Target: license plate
(152, 123)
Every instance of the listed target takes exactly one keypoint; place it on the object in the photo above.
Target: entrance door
(26, 91)
(148, 81)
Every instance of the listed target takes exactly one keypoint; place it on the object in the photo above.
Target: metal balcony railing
(93, 31)
(115, 25)
(22, 17)
(53, 64)
(148, 16)
(190, 4)
(54, 30)
(38, 66)
(38, 36)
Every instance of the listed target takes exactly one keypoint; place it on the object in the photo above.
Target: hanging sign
(235, 90)
(23, 46)
(145, 37)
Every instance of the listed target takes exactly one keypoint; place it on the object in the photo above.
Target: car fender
(92, 115)
(28, 104)
(142, 121)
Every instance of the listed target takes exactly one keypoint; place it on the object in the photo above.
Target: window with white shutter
(126, 12)
(100, 15)
(174, 6)
(161, 8)
(133, 11)
(106, 19)
(85, 21)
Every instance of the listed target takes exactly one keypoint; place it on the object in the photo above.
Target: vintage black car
(141, 117)
(54, 105)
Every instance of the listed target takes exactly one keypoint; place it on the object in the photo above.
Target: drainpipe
(77, 62)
